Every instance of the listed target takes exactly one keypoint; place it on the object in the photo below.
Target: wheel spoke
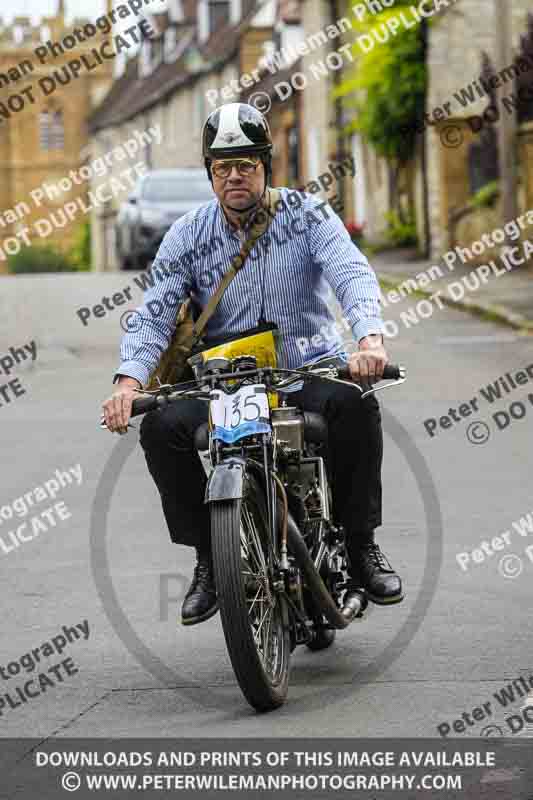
(258, 631)
(263, 611)
(254, 600)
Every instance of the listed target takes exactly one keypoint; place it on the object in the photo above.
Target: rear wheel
(254, 616)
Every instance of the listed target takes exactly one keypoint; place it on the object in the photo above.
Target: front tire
(254, 618)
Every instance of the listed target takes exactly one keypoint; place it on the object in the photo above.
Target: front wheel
(254, 616)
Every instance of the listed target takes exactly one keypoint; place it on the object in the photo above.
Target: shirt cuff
(132, 369)
(367, 326)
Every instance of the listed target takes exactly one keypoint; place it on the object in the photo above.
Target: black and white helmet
(236, 129)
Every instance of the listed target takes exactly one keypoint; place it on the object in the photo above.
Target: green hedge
(401, 234)
(47, 258)
(40, 259)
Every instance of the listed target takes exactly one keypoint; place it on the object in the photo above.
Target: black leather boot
(370, 569)
(200, 602)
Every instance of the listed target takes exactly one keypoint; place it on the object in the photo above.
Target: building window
(51, 130)
(483, 163)
(219, 11)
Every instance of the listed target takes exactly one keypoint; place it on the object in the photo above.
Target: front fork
(226, 482)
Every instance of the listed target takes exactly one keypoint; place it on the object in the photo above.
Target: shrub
(487, 196)
(401, 234)
(80, 253)
(44, 258)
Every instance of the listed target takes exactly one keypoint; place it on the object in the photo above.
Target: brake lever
(329, 373)
(389, 385)
(290, 386)
(105, 428)
(163, 388)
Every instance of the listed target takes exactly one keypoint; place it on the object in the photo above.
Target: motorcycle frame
(230, 464)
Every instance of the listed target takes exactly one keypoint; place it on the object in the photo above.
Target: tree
(386, 88)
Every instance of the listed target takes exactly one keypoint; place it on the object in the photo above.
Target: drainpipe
(425, 187)
(148, 148)
(337, 79)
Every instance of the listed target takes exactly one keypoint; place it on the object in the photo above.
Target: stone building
(457, 44)
(176, 79)
(207, 53)
(43, 136)
(462, 41)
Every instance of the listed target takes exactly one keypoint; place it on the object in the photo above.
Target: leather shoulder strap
(260, 225)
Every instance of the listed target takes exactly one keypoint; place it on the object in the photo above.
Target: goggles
(245, 166)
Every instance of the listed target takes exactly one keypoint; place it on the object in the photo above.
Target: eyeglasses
(245, 166)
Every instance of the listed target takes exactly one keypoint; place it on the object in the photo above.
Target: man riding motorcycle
(283, 282)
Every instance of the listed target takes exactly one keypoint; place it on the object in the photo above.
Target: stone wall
(24, 165)
(457, 40)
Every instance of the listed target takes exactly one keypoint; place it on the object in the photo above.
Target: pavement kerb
(494, 313)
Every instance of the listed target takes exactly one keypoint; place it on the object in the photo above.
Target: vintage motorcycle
(279, 557)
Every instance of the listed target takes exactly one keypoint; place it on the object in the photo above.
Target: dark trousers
(355, 452)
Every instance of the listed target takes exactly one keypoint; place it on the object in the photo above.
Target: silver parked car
(158, 200)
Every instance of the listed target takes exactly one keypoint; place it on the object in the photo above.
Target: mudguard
(226, 481)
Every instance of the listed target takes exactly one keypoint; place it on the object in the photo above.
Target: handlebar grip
(142, 405)
(392, 372)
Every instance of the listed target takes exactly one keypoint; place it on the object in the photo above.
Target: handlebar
(142, 405)
(392, 372)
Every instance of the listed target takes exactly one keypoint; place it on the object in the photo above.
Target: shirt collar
(241, 233)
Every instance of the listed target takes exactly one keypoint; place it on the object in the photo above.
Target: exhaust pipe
(321, 596)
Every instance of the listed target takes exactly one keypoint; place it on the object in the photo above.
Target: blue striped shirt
(289, 275)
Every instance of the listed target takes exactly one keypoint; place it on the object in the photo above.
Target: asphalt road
(401, 672)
